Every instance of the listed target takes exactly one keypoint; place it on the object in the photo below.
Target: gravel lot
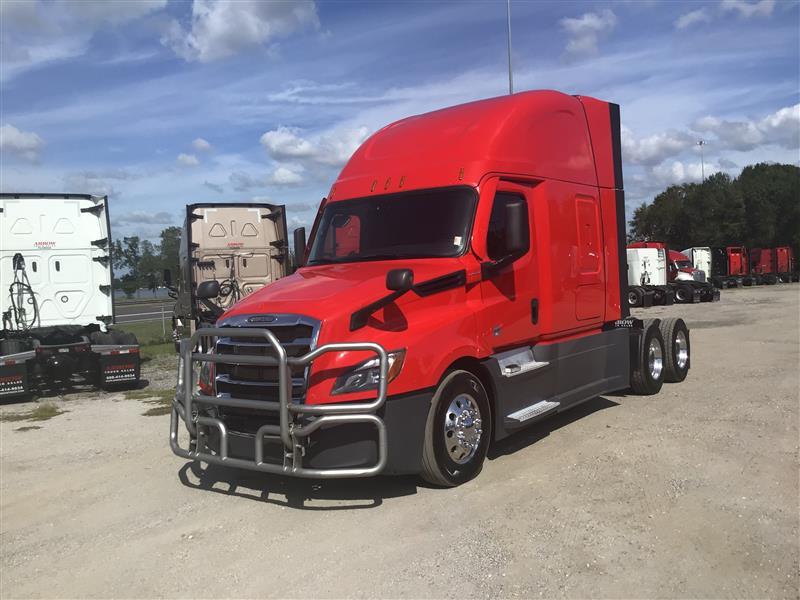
(693, 492)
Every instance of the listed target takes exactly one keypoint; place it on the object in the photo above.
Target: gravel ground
(693, 492)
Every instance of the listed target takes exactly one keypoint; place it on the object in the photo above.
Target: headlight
(366, 375)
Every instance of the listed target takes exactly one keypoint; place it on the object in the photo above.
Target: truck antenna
(510, 74)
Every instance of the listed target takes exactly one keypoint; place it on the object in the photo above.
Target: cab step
(529, 412)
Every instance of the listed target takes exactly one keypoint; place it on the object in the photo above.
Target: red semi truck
(773, 264)
(465, 278)
(762, 265)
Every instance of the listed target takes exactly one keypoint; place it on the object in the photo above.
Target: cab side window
(495, 239)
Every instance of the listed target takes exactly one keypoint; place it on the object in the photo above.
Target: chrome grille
(297, 335)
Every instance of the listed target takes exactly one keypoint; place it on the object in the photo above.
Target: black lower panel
(570, 373)
(349, 445)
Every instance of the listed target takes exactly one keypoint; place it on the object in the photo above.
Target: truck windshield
(423, 224)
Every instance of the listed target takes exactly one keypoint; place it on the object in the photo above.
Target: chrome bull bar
(290, 432)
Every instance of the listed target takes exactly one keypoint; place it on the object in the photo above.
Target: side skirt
(533, 382)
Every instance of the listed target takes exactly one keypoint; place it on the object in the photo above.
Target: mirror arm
(360, 317)
(215, 310)
(490, 268)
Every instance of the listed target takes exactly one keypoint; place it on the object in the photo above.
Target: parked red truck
(762, 265)
(480, 287)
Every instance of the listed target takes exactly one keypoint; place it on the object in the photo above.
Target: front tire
(457, 432)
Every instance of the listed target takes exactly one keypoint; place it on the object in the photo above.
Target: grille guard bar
(289, 431)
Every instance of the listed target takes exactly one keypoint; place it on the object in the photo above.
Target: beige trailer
(240, 248)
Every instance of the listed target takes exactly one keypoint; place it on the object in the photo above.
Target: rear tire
(683, 293)
(98, 338)
(647, 371)
(677, 355)
(457, 432)
(124, 339)
(635, 296)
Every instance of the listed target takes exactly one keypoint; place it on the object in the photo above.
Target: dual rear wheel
(663, 355)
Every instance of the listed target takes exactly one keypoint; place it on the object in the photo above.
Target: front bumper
(315, 441)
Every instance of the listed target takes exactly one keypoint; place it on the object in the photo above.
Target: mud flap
(13, 380)
(119, 369)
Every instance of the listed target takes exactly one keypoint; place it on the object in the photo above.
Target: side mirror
(167, 278)
(400, 280)
(299, 247)
(208, 290)
(516, 235)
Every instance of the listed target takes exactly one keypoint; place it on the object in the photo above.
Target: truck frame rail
(297, 420)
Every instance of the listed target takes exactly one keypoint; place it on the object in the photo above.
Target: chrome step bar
(534, 410)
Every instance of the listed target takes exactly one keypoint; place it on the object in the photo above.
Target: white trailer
(56, 298)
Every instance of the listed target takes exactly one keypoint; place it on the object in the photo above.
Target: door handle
(535, 311)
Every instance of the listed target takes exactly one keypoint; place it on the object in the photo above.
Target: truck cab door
(509, 314)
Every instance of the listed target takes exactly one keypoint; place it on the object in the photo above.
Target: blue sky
(160, 103)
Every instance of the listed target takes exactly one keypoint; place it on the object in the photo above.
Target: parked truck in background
(730, 267)
(465, 278)
(762, 266)
(785, 266)
(647, 278)
(227, 251)
(687, 282)
(56, 296)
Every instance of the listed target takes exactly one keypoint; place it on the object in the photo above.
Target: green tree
(170, 249)
(149, 271)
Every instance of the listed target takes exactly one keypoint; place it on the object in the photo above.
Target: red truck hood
(328, 291)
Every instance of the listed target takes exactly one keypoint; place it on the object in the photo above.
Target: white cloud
(87, 183)
(137, 217)
(187, 160)
(24, 144)
(701, 15)
(201, 145)
(242, 181)
(34, 32)
(748, 9)
(781, 128)
(221, 28)
(285, 176)
(214, 186)
(332, 148)
(284, 142)
(586, 31)
(98, 12)
(654, 149)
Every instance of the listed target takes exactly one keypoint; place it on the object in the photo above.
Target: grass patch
(157, 350)
(42, 412)
(149, 332)
(160, 399)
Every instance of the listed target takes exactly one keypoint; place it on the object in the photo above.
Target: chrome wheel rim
(632, 299)
(655, 359)
(681, 350)
(462, 428)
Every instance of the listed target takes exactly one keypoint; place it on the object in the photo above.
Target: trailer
(460, 284)
(227, 251)
(57, 309)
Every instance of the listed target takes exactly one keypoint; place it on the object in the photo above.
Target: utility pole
(702, 143)
(510, 75)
